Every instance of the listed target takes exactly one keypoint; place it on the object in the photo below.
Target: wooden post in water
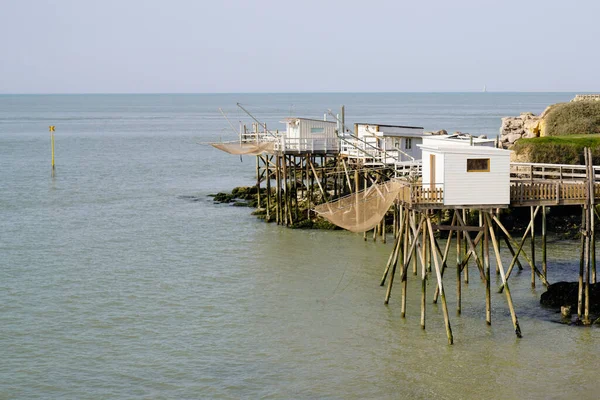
(486, 263)
(581, 261)
(423, 273)
(466, 265)
(397, 254)
(365, 188)
(438, 274)
(458, 270)
(503, 276)
(52, 128)
(532, 246)
(285, 190)
(404, 278)
(544, 262)
(415, 237)
(268, 177)
(592, 184)
(258, 176)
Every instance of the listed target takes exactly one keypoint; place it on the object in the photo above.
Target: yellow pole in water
(52, 145)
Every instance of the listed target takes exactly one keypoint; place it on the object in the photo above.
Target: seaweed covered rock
(566, 294)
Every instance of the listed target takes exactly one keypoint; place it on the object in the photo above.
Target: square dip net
(363, 210)
(252, 149)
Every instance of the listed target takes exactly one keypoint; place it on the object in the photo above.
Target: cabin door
(432, 171)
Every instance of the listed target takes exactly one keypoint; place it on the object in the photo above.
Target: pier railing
(305, 145)
(550, 192)
(562, 172)
(416, 194)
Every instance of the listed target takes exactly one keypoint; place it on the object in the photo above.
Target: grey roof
(390, 126)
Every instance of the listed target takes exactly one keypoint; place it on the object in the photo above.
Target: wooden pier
(310, 173)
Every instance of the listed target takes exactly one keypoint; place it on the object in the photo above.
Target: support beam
(503, 277)
(438, 274)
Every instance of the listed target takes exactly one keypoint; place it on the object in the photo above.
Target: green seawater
(115, 284)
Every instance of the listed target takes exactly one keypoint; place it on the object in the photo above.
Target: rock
(513, 137)
(565, 311)
(565, 294)
(441, 132)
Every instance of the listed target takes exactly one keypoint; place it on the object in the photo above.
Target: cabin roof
(390, 126)
(456, 138)
(455, 148)
(290, 119)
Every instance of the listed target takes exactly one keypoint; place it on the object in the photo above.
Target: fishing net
(361, 211)
(252, 149)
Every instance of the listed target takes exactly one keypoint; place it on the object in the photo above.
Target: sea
(121, 278)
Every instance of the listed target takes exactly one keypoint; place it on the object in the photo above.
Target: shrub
(575, 118)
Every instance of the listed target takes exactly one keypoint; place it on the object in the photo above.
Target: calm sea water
(114, 284)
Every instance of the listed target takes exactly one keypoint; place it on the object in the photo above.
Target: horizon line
(278, 93)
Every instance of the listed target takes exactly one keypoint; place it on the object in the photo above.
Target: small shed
(304, 135)
(467, 175)
(398, 141)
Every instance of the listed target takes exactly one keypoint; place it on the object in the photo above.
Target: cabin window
(408, 144)
(478, 165)
(317, 130)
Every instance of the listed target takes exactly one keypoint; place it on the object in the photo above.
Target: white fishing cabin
(304, 135)
(467, 175)
(387, 144)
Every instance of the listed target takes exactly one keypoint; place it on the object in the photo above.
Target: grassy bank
(558, 149)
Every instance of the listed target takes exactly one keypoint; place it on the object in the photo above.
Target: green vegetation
(575, 118)
(559, 149)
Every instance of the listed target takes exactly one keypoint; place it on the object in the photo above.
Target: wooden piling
(438, 273)
(423, 275)
(544, 262)
(486, 263)
(511, 307)
(458, 271)
(466, 265)
(532, 246)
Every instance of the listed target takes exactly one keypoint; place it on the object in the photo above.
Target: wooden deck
(530, 185)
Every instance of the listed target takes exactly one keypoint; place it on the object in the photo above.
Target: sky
(221, 46)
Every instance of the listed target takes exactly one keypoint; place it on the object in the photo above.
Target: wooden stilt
(581, 262)
(268, 176)
(397, 254)
(486, 263)
(472, 245)
(383, 238)
(438, 273)
(465, 266)
(532, 246)
(544, 261)
(423, 275)
(444, 256)
(413, 217)
(503, 276)
(592, 201)
(404, 276)
(458, 270)
(258, 176)
(278, 188)
(520, 250)
(512, 251)
(285, 186)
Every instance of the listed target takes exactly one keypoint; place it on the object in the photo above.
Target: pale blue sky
(151, 46)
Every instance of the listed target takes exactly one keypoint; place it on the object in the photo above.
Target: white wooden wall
(439, 169)
(469, 188)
